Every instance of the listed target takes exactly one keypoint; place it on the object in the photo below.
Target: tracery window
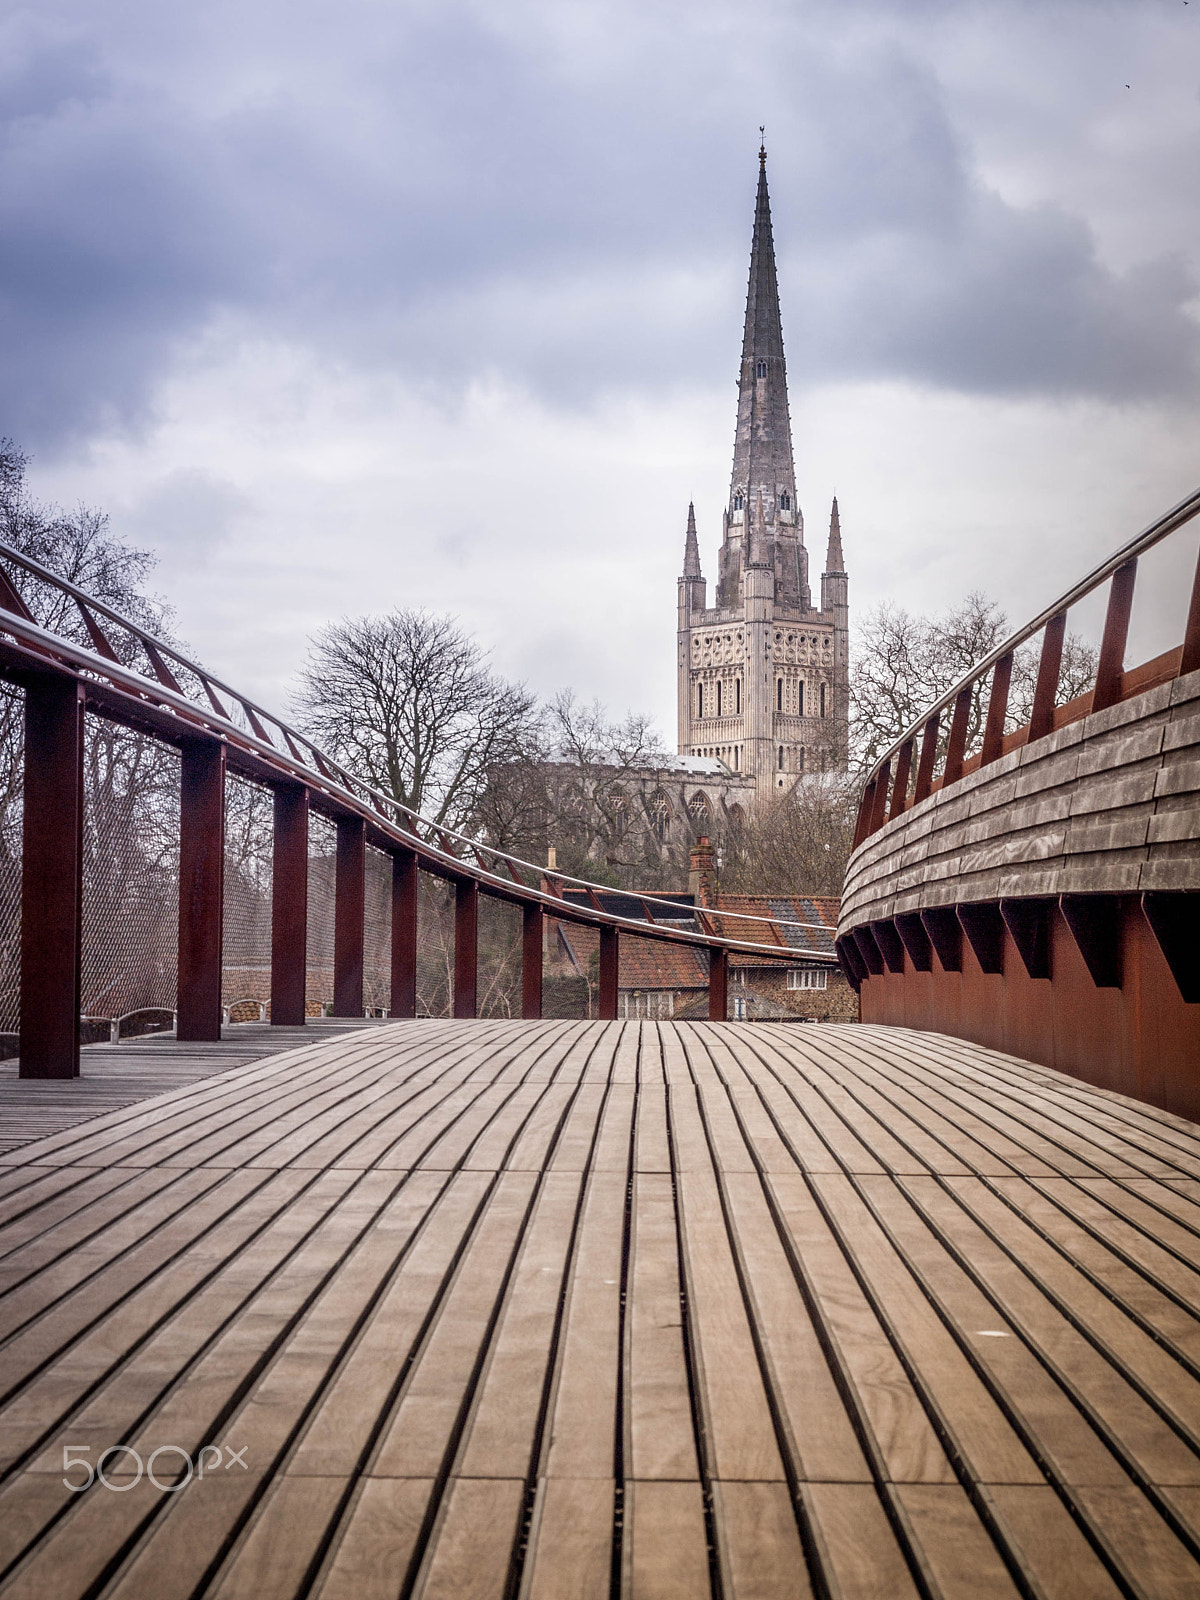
(762, 369)
(785, 501)
(660, 815)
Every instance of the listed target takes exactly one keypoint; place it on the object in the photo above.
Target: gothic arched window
(620, 813)
(738, 501)
(762, 369)
(781, 758)
(660, 815)
(700, 701)
(700, 813)
(785, 501)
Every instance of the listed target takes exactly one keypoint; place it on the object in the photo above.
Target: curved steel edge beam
(186, 720)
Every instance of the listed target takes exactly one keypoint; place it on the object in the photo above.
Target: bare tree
(131, 782)
(796, 843)
(580, 789)
(408, 702)
(904, 662)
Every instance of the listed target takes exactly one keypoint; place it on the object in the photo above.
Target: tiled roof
(732, 912)
(654, 964)
(644, 963)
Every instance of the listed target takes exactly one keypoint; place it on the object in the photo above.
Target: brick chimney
(700, 872)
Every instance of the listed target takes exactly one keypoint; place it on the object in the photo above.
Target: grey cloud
(187, 516)
(448, 193)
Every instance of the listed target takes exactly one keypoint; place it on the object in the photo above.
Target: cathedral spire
(762, 454)
(834, 560)
(691, 546)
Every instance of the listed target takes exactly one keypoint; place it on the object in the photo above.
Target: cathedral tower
(763, 674)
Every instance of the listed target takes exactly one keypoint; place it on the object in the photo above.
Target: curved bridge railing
(1042, 893)
(130, 677)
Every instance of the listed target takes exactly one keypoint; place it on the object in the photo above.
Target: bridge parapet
(1044, 896)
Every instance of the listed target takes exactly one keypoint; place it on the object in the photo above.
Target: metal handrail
(351, 784)
(197, 716)
(1170, 522)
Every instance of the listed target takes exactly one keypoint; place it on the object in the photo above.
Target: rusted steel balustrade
(884, 800)
(62, 679)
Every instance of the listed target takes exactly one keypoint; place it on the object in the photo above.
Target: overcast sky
(340, 307)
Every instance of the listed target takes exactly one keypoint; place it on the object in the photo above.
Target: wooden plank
(737, 1421)
(500, 1437)
(424, 1228)
(857, 1543)
(571, 1539)
(819, 1433)
(580, 1438)
(758, 1541)
(967, 1414)
(477, 1530)
(901, 1437)
(660, 1442)
(664, 1551)
(370, 1560)
(1096, 1369)
(953, 1547)
(420, 1430)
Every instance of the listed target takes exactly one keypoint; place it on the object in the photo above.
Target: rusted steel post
(1041, 721)
(201, 889)
(531, 962)
(900, 787)
(718, 985)
(993, 733)
(1116, 631)
(956, 744)
(1190, 659)
(466, 947)
(610, 946)
(348, 906)
(865, 810)
(289, 907)
(405, 888)
(929, 738)
(51, 880)
(879, 808)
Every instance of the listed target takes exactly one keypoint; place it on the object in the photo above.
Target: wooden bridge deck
(115, 1075)
(592, 1309)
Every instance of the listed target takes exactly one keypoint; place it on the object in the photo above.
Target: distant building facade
(763, 673)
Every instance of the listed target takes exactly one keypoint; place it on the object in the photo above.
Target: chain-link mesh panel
(130, 912)
(322, 860)
(246, 932)
(435, 947)
(377, 933)
(499, 988)
(12, 749)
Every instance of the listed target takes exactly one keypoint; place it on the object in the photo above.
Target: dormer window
(785, 501)
(761, 369)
